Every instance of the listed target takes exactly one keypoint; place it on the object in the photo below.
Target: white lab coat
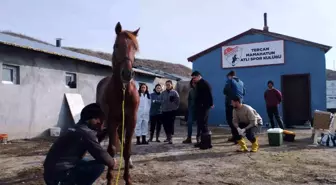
(141, 128)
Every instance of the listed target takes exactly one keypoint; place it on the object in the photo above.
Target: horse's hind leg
(131, 165)
(111, 149)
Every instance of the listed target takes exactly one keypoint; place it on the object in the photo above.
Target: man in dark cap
(203, 103)
(234, 87)
(64, 162)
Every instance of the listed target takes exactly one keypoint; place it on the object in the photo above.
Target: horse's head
(125, 47)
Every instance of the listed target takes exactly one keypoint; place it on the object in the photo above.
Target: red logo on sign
(230, 50)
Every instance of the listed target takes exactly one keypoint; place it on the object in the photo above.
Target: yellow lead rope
(122, 135)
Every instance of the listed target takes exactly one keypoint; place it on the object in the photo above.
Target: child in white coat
(141, 128)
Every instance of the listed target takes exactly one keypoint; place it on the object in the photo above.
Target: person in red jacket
(273, 98)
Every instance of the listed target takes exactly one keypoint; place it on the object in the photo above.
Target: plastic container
(275, 137)
(55, 131)
(3, 138)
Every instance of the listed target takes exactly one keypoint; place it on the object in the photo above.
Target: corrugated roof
(147, 72)
(325, 48)
(58, 51)
(163, 74)
(49, 49)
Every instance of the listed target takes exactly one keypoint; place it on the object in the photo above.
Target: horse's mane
(133, 38)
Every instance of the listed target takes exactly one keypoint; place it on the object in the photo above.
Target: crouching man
(246, 120)
(64, 163)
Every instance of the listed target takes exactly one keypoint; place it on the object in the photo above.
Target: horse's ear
(118, 28)
(135, 33)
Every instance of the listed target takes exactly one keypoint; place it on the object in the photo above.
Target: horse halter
(126, 74)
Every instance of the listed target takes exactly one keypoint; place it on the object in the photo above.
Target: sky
(170, 30)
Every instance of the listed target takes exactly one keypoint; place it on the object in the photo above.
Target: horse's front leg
(111, 149)
(128, 149)
(120, 139)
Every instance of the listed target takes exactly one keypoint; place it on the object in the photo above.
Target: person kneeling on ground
(246, 120)
(64, 162)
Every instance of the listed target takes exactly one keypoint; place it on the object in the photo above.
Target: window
(70, 80)
(10, 74)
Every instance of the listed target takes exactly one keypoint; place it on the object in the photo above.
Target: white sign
(76, 104)
(253, 54)
(331, 94)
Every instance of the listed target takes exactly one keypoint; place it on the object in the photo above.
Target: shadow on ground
(32, 147)
(31, 176)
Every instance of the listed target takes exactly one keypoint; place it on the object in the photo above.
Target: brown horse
(110, 96)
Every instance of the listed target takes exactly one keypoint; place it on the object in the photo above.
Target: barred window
(71, 80)
(10, 74)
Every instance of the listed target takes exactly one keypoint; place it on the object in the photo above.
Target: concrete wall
(37, 103)
(298, 59)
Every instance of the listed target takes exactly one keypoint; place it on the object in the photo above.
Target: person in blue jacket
(234, 87)
(155, 113)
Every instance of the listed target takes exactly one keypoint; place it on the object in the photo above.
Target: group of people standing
(242, 118)
(158, 108)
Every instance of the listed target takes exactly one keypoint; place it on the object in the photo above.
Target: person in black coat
(203, 104)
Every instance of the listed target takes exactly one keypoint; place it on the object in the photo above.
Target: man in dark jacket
(203, 103)
(234, 87)
(64, 162)
(273, 98)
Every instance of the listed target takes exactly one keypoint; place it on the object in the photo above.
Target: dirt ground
(159, 163)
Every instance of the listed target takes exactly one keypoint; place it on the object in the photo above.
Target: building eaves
(58, 51)
(49, 49)
(147, 72)
(325, 48)
(161, 73)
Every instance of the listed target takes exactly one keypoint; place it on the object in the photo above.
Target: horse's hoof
(131, 166)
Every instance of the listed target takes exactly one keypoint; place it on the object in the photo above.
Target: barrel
(3, 138)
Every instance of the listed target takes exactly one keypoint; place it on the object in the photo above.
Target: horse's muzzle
(127, 75)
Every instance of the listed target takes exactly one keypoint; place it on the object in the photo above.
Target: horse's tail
(100, 89)
(100, 97)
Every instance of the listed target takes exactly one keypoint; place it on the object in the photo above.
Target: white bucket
(275, 130)
(55, 131)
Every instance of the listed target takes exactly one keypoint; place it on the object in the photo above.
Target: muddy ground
(160, 163)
